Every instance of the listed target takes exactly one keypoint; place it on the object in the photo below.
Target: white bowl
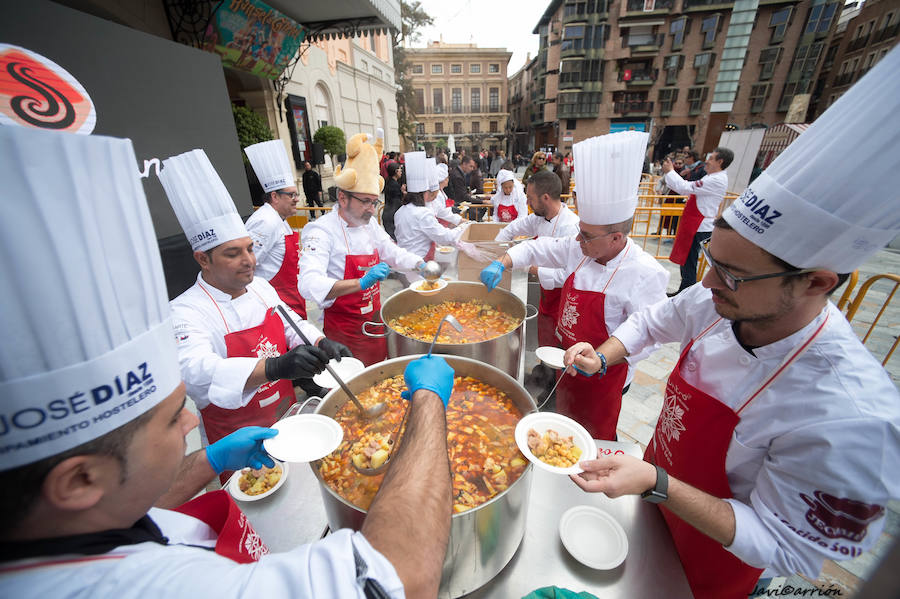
(347, 368)
(304, 438)
(551, 356)
(415, 285)
(565, 427)
(593, 537)
(235, 490)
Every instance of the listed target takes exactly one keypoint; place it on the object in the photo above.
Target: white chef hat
(417, 172)
(269, 160)
(88, 340)
(433, 180)
(503, 176)
(203, 206)
(442, 171)
(609, 171)
(812, 215)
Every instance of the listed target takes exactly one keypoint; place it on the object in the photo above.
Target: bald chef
(237, 355)
(346, 254)
(93, 405)
(779, 439)
(608, 276)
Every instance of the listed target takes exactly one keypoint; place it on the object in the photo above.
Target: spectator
(562, 171)
(393, 197)
(694, 169)
(457, 190)
(497, 163)
(475, 180)
(538, 161)
(312, 188)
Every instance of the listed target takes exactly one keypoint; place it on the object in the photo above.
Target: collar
(558, 213)
(781, 347)
(216, 293)
(614, 262)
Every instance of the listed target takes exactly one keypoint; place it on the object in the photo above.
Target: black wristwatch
(660, 491)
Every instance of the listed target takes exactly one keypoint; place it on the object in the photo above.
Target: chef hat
(269, 160)
(504, 175)
(360, 173)
(442, 171)
(203, 206)
(812, 215)
(609, 171)
(433, 180)
(416, 172)
(88, 341)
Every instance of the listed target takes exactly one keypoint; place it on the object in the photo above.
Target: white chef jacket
(325, 569)
(709, 192)
(442, 210)
(829, 423)
(416, 228)
(517, 198)
(325, 245)
(639, 282)
(200, 329)
(267, 230)
(564, 224)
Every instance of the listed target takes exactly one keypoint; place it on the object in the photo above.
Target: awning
(346, 18)
(777, 138)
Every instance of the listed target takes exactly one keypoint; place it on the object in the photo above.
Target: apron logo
(569, 316)
(840, 518)
(671, 420)
(266, 349)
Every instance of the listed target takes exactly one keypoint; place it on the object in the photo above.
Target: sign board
(616, 127)
(745, 145)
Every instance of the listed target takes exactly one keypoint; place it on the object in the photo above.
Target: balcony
(857, 43)
(644, 44)
(886, 33)
(636, 7)
(462, 109)
(633, 108)
(696, 5)
(845, 79)
(638, 78)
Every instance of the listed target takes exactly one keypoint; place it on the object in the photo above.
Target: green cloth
(557, 593)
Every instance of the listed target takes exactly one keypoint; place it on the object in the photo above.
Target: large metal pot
(504, 352)
(483, 539)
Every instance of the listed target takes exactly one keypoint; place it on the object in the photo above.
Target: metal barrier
(857, 302)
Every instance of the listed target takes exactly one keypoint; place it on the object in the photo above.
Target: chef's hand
(302, 362)
(379, 272)
(615, 475)
(240, 449)
(335, 350)
(432, 373)
(492, 274)
(667, 166)
(420, 267)
(583, 358)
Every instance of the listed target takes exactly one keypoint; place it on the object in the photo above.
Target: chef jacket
(200, 331)
(324, 249)
(325, 569)
(517, 198)
(639, 282)
(564, 224)
(828, 426)
(267, 230)
(416, 228)
(442, 210)
(709, 192)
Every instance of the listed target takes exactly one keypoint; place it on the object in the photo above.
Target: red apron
(345, 318)
(691, 442)
(237, 540)
(429, 255)
(594, 402)
(507, 214)
(285, 280)
(688, 224)
(548, 312)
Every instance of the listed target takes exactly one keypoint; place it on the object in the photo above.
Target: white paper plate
(414, 286)
(566, 427)
(347, 368)
(551, 356)
(445, 249)
(304, 438)
(235, 490)
(593, 537)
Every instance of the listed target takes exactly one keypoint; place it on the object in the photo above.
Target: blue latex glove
(420, 267)
(432, 373)
(240, 449)
(492, 274)
(379, 272)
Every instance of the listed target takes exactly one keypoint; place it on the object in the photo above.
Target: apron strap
(216, 304)
(627, 247)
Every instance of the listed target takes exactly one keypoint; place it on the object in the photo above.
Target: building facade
(460, 90)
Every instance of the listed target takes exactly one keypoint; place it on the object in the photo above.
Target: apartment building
(460, 90)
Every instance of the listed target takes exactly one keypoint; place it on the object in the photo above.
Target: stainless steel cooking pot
(483, 539)
(504, 352)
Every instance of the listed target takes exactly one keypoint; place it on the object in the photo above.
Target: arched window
(322, 106)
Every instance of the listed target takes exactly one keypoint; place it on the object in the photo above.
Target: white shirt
(200, 329)
(709, 192)
(325, 246)
(517, 198)
(640, 280)
(267, 230)
(325, 569)
(416, 228)
(442, 211)
(564, 224)
(829, 423)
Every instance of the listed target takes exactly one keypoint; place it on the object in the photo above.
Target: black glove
(302, 362)
(334, 349)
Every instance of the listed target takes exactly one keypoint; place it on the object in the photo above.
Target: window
(759, 93)
(418, 69)
(805, 60)
(457, 128)
(709, 28)
(437, 69)
(667, 98)
(377, 72)
(582, 7)
(672, 65)
(438, 100)
(790, 90)
(493, 68)
(779, 22)
(578, 103)
(678, 28)
(768, 58)
(570, 124)
(455, 69)
(583, 37)
(703, 63)
(372, 42)
(641, 35)
(625, 102)
(476, 127)
(820, 17)
(476, 100)
(474, 68)
(321, 105)
(364, 66)
(494, 99)
(420, 101)
(696, 97)
(868, 64)
(456, 99)
(420, 128)
(493, 127)
(439, 127)
(578, 71)
(829, 56)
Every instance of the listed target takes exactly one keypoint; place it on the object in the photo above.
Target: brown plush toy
(360, 173)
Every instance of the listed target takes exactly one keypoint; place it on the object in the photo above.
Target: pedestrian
(457, 189)
(538, 163)
(393, 198)
(312, 188)
(561, 171)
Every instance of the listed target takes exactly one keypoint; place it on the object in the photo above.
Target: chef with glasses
(779, 438)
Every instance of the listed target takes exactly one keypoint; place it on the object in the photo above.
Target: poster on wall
(254, 37)
(616, 127)
(298, 123)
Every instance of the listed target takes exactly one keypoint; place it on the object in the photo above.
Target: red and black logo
(840, 517)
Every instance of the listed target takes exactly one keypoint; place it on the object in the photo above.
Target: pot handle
(527, 306)
(300, 408)
(376, 335)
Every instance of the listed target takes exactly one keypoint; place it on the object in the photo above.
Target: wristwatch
(659, 492)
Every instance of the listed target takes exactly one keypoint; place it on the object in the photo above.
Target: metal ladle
(393, 442)
(432, 271)
(367, 413)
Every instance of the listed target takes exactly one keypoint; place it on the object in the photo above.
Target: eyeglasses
(291, 194)
(589, 238)
(365, 202)
(732, 281)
